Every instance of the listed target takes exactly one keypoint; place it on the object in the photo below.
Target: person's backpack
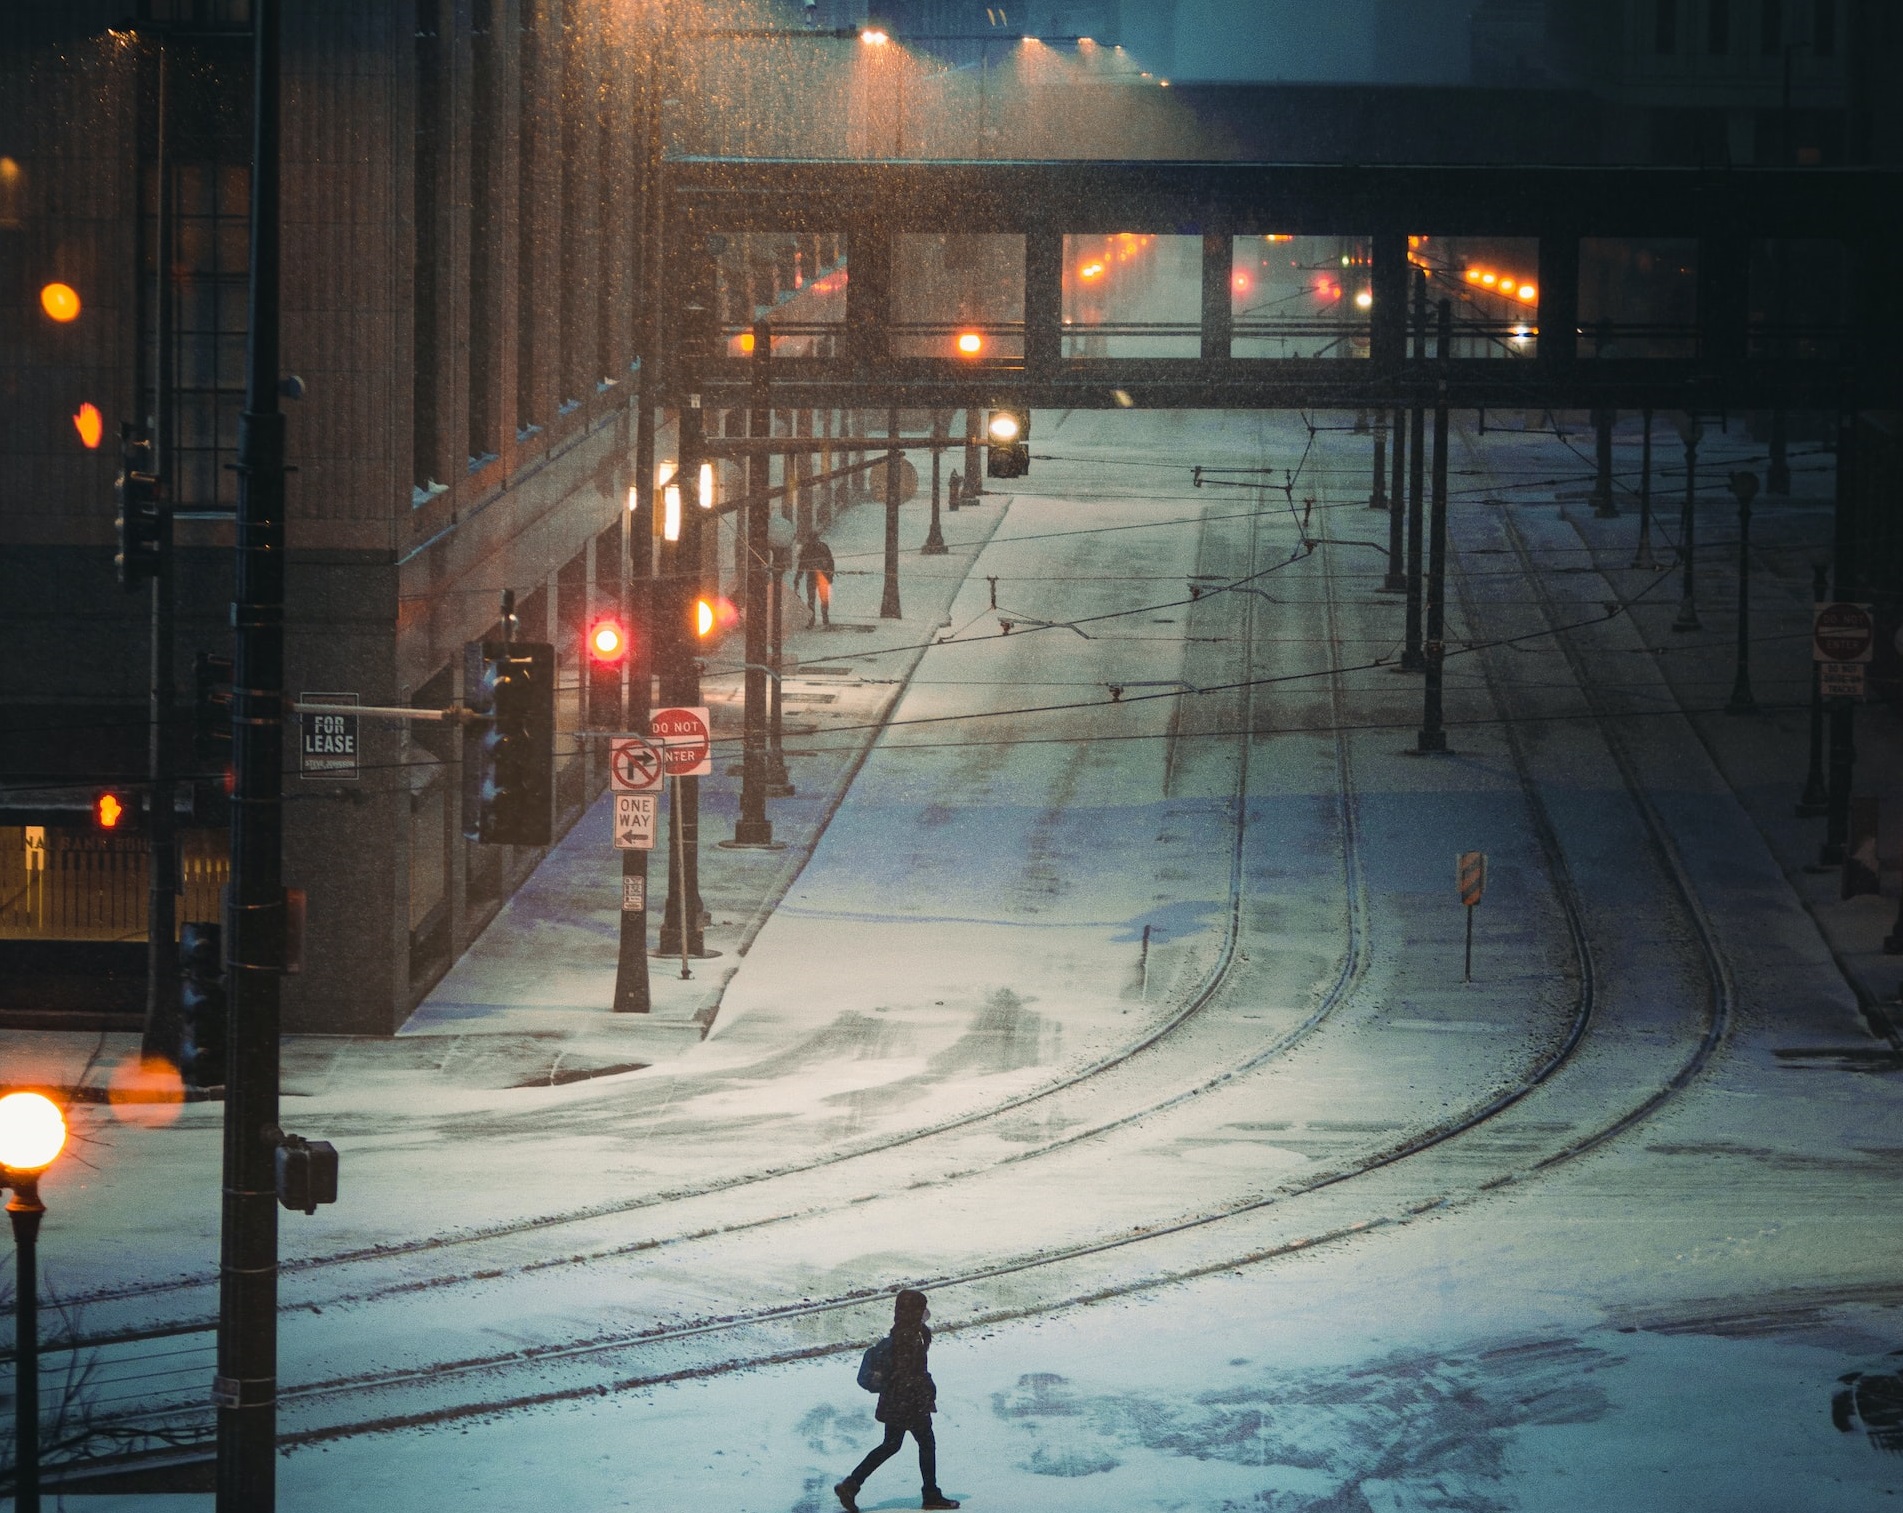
(876, 1365)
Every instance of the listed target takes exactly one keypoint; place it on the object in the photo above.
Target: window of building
(1718, 27)
(1771, 27)
(210, 261)
(1665, 27)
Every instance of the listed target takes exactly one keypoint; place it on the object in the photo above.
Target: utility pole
(1604, 506)
(935, 537)
(680, 685)
(1815, 800)
(245, 1388)
(1643, 556)
(1411, 658)
(1433, 735)
(753, 828)
(1843, 712)
(1396, 580)
(1691, 429)
(974, 475)
(162, 1022)
(1378, 495)
(633, 994)
(889, 600)
(1745, 487)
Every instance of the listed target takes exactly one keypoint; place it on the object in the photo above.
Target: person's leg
(927, 1454)
(825, 581)
(879, 1455)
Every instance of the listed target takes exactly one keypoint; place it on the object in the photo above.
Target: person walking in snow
(815, 565)
(907, 1400)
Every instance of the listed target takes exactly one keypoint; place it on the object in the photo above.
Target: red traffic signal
(109, 811)
(607, 641)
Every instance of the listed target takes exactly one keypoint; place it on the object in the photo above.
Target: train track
(1303, 1215)
(1351, 963)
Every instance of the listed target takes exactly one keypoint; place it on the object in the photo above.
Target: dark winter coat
(816, 557)
(909, 1392)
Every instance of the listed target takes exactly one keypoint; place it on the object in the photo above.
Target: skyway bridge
(959, 283)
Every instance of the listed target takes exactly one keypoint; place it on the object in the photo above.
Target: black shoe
(937, 1500)
(845, 1491)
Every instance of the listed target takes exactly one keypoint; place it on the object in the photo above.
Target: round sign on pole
(1844, 632)
(685, 738)
(634, 765)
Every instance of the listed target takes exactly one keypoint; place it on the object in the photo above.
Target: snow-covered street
(1119, 1006)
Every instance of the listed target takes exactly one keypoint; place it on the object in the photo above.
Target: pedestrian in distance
(815, 565)
(895, 1369)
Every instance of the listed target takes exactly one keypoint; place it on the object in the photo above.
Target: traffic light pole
(753, 827)
(162, 870)
(889, 599)
(1396, 580)
(681, 930)
(1433, 734)
(245, 1388)
(1411, 658)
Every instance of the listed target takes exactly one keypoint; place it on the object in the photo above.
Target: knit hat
(908, 1307)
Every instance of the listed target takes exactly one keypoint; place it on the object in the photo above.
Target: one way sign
(634, 822)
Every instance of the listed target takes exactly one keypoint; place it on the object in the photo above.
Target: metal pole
(678, 833)
(245, 1388)
(1604, 507)
(1467, 967)
(162, 875)
(889, 600)
(1843, 712)
(24, 1209)
(753, 828)
(1396, 580)
(1815, 800)
(1433, 735)
(1688, 530)
(935, 537)
(1411, 658)
(974, 478)
(779, 785)
(1643, 556)
(1744, 485)
(1378, 497)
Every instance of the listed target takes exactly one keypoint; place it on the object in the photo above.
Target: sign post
(635, 773)
(1470, 875)
(684, 735)
(1843, 637)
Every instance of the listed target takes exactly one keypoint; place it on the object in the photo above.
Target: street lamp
(32, 1130)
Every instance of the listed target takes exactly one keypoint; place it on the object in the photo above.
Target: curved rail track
(1068, 1275)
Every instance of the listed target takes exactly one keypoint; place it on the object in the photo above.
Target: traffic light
(201, 1005)
(509, 747)
(711, 617)
(1008, 450)
(211, 708)
(306, 1173)
(141, 521)
(607, 652)
(112, 811)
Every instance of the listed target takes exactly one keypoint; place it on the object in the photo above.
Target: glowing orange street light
(60, 302)
(1365, 299)
(1528, 292)
(90, 424)
(872, 36)
(1090, 271)
(969, 343)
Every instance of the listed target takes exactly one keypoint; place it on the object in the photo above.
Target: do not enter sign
(1843, 632)
(684, 736)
